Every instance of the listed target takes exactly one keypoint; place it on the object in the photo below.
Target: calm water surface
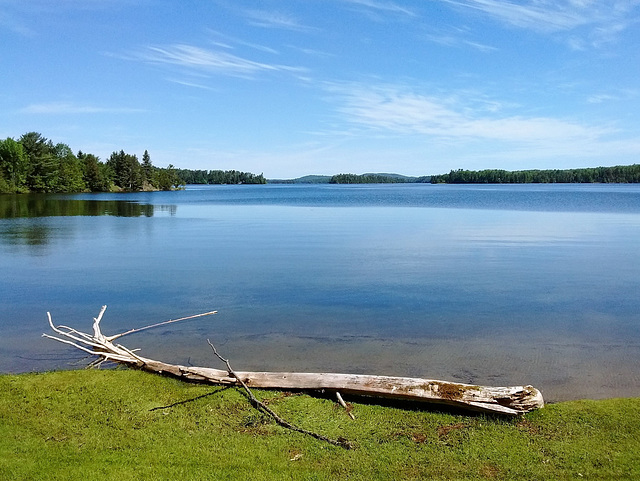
(534, 284)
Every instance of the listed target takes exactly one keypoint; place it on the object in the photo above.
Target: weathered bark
(504, 400)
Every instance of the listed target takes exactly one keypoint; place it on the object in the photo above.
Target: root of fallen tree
(511, 400)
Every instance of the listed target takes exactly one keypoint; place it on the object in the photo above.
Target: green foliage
(13, 165)
(35, 164)
(366, 179)
(147, 168)
(167, 179)
(127, 171)
(219, 177)
(616, 174)
(69, 170)
(307, 179)
(41, 175)
(96, 175)
(130, 425)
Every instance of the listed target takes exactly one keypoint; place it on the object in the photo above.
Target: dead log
(511, 400)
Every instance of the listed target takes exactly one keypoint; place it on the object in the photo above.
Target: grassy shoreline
(125, 424)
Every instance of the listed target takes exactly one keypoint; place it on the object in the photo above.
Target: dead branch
(131, 331)
(260, 406)
(344, 405)
(511, 400)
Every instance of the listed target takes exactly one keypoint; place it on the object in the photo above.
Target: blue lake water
(498, 284)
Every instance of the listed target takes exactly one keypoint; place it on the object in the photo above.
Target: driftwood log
(511, 400)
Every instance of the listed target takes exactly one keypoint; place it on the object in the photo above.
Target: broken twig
(344, 405)
(131, 331)
(260, 406)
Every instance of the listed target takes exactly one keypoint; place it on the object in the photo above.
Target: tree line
(188, 176)
(374, 179)
(34, 163)
(616, 174)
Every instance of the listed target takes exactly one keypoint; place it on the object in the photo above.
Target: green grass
(105, 425)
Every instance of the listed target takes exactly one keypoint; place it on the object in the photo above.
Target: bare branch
(341, 442)
(131, 331)
(344, 405)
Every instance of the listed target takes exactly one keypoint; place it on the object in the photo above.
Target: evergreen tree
(14, 165)
(147, 168)
(127, 172)
(95, 173)
(41, 175)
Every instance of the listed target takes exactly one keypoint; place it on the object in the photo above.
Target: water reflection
(36, 208)
(15, 206)
(27, 234)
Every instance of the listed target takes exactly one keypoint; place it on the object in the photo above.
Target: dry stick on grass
(344, 405)
(260, 406)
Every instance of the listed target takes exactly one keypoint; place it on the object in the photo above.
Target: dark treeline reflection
(23, 218)
(15, 206)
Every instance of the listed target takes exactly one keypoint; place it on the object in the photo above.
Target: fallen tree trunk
(503, 400)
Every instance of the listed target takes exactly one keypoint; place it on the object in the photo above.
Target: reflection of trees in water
(34, 233)
(46, 206)
(27, 234)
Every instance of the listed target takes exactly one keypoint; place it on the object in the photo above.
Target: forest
(34, 163)
(374, 179)
(188, 176)
(606, 175)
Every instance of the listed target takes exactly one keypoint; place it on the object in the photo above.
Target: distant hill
(364, 178)
(404, 178)
(377, 179)
(307, 179)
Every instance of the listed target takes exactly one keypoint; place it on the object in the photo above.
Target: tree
(127, 171)
(70, 172)
(167, 179)
(41, 175)
(95, 173)
(147, 168)
(14, 164)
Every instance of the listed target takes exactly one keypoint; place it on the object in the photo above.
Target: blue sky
(296, 87)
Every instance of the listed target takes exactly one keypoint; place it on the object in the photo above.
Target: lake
(494, 284)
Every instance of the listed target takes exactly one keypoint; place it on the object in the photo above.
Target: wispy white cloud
(230, 42)
(63, 108)
(615, 95)
(213, 61)
(384, 6)
(600, 98)
(397, 110)
(273, 19)
(458, 41)
(312, 52)
(188, 83)
(604, 19)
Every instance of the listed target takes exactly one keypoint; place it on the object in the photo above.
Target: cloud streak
(395, 110)
(388, 7)
(271, 19)
(458, 42)
(64, 108)
(212, 61)
(605, 19)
